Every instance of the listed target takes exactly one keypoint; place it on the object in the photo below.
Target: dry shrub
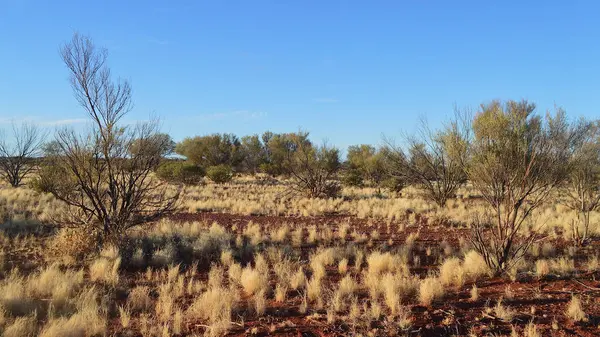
(178, 322)
(215, 306)
(474, 293)
(253, 281)
(531, 330)
(280, 293)
(542, 268)
(72, 244)
(575, 310)
(13, 296)
(281, 234)
(395, 288)
(106, 267)
(215, 277)
(89, 320)
(227, 257)
(343, 266)
(53, 282)
(430, 289)
(298, 280)
(502, 312)
(347, 285)
(139, 299)
(21, 327)
(165, 304)
(562, 266)
(313, 288)
(3, 316)
(474, 265)
(385, 262)
(235, 273)
(260, 302)
(254, 233)
(283, 269)
(124, 316)
(593, 263)
(452, 272)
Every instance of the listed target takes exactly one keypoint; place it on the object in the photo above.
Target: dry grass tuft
(542, 268)
(21, 327)
(452, 272)
(105, 269)
(253, 281)
(343, 266)
(503, 312)
(474, 265)
(298, 280)
(474, 293)
(430, 289)
(139, 299)
(575, 310)
(214, 306)
(380, 263)
(531, 330)
(347, 285)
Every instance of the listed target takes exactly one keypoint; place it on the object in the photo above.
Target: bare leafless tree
(313, 169)
(517, 158)
(431, 160)
(104, 176)
(17, 154)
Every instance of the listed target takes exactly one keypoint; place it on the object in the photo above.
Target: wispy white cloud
(326, 100)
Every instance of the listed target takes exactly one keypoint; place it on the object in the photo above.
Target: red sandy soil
(542, 301)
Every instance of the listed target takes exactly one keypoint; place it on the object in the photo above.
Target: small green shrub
(352, 177)
(50, 178)
(180, 172)
(394, 184)
(219, 174)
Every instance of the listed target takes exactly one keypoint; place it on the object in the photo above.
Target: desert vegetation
(486, 226)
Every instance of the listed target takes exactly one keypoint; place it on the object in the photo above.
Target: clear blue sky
(345, 71)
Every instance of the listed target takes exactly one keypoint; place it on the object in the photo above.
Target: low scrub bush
(180, 172)
(219, 174)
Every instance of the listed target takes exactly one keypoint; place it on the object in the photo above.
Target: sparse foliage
(313, 168)
(104, 177)
(432, 161)
(17, 154)
(583, 185)
(517, 159)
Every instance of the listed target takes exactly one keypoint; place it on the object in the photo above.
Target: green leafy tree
(254, 154)
(278, 148)
(212, 150)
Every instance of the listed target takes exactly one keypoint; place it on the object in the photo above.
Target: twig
(585, 285)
